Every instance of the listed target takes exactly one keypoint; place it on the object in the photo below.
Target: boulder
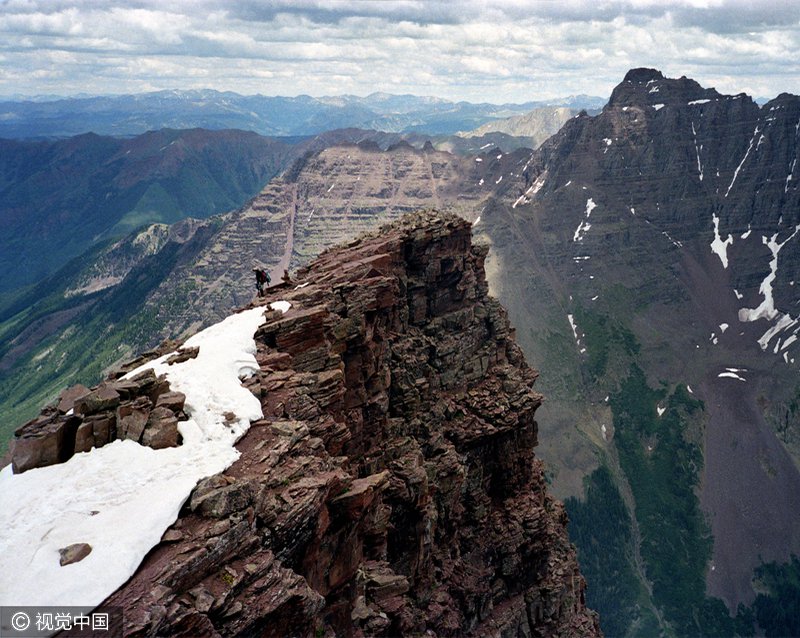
(161, 429)
(67, 399)
(74, 553)
(132, 418)
(104, 397)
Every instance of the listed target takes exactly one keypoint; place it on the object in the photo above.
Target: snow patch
(730, 375)
(120, 498)
(658, 107)
(660, 410)
(766, 309)
(738, 168)
(584, 226)
(475, 223)
(478, 159)
(723, 327)
(718, 246)
(693, 102)
(697, 152)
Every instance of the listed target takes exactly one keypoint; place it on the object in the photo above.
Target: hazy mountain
(536, 126)
(301, 115)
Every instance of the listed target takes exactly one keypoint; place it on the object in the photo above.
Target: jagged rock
(171, 400)
(69, 396)
(391, 487)
(44, 441)
(103, 428)
(74, 553)
(132, 418)
(183, 354)
(84, 437)
(161, 429)
(104, 397)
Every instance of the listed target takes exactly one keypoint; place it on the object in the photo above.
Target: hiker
(262, 277)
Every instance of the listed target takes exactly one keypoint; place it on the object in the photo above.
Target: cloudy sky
(477, 50)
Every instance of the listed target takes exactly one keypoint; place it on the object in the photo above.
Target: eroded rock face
(391, 487)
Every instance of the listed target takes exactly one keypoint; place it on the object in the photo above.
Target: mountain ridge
(390, 478)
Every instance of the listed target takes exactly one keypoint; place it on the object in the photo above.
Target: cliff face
(391, 486)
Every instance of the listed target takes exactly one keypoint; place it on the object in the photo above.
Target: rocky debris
(87, 418)
(391, 486)
(74, 553)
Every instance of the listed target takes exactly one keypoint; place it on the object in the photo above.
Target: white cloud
(481, 50)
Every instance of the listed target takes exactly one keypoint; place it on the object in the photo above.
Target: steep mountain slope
(387, 485)
(162, 283)
(59, 198)
(662, 236)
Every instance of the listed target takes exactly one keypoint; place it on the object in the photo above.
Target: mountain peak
(642, 75)
(644, 86)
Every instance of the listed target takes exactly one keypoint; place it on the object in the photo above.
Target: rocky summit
(391, 487)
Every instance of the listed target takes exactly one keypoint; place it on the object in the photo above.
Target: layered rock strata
(391, 487)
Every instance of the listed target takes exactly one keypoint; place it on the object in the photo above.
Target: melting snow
(120, 498)
(730, 375)
(572, 325)
(718, 246)
(697, 151)
(766, 308)
(575, 334)
(532, 190)
(584, 226)
(738, 168)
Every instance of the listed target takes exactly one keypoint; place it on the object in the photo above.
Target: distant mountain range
(125, 115)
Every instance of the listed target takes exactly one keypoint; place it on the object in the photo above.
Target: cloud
(481, 50)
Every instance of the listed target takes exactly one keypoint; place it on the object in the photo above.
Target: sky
(476, 50)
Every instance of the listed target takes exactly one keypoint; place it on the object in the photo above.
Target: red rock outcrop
(391, 487)
(142, 409)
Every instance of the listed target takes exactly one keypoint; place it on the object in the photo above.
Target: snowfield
(120, 498)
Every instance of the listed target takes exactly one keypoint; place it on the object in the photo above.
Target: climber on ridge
(262, 277)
